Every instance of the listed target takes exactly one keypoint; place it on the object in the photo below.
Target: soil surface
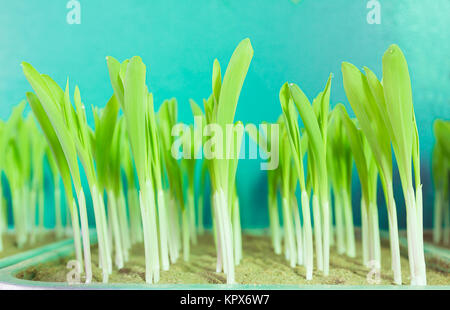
(428, 237)
(259, 266)
(10, 244)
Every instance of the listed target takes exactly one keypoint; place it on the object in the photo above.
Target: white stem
(218, 239)
(186, 244)
(221, 242)
(290, 238)
(191, 207)
(58, 216)
(201, 228)
(308, 241)
(338, 214)
(85, 235)
(415, 241)
(163, 229)
(349, 228)
(124, 225)
(135, 218)
(102, 232)
(393, 232)
(236, 223)
(275, 225)
(298, 231)
(326, 237)
(148, 213)
(365, 234)
(373, 221)
(437, 219)
(112, 204)
(32, 224)
(3, 223)
(318, 232)
(76, 234)
(41, 204)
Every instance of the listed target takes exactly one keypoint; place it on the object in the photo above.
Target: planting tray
(8, 279)
(18, 257)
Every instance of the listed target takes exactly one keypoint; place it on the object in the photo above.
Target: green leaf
(315, 139)
(233, 81)
(50, 107)
(398, 96)
(370, 117)
(135, 102)
(53, 143)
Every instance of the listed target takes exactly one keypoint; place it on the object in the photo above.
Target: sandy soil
(259, 266)
(10, 245)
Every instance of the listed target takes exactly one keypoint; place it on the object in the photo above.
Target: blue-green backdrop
(299, 41)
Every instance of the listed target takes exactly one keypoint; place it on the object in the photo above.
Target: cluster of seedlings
(24, 152)
(441, 176)
(141, 192)
(320, 157)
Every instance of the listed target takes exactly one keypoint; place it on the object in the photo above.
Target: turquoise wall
(300, 41)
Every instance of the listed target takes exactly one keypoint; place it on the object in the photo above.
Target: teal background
(297, 41)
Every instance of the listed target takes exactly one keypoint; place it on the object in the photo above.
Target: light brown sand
(10, 245)
(259, 266)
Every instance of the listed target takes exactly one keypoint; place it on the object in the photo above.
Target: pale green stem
(19, 225)
(32, 223)
(274, 224)
(85, 235)
(393, 233)
(349, 227)
(227, 231)
(318, 232)
(201, 227)
(237, 233)
(415, 240)
(41, 205)
(135, 217)
(289, 231)
(76, 234)
(2, 216)
(326, 236)
(365, 234)
(117, 238)
(447, 226)
(308, 238)
(373, 224)
(124, 225)
(58, 217)
(186, 243)
(163, 229)
(104, 246)
(298, 230)
(191, 207)
(174, 231)
(338, 215)
(437, 223)
(218, 238)
(148, 213)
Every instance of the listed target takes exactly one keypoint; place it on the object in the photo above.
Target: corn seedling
(340, 164)
(368, 174)
(315, 120)
(441, 172)
(157, 200)
(59, 226)
(386, 116)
